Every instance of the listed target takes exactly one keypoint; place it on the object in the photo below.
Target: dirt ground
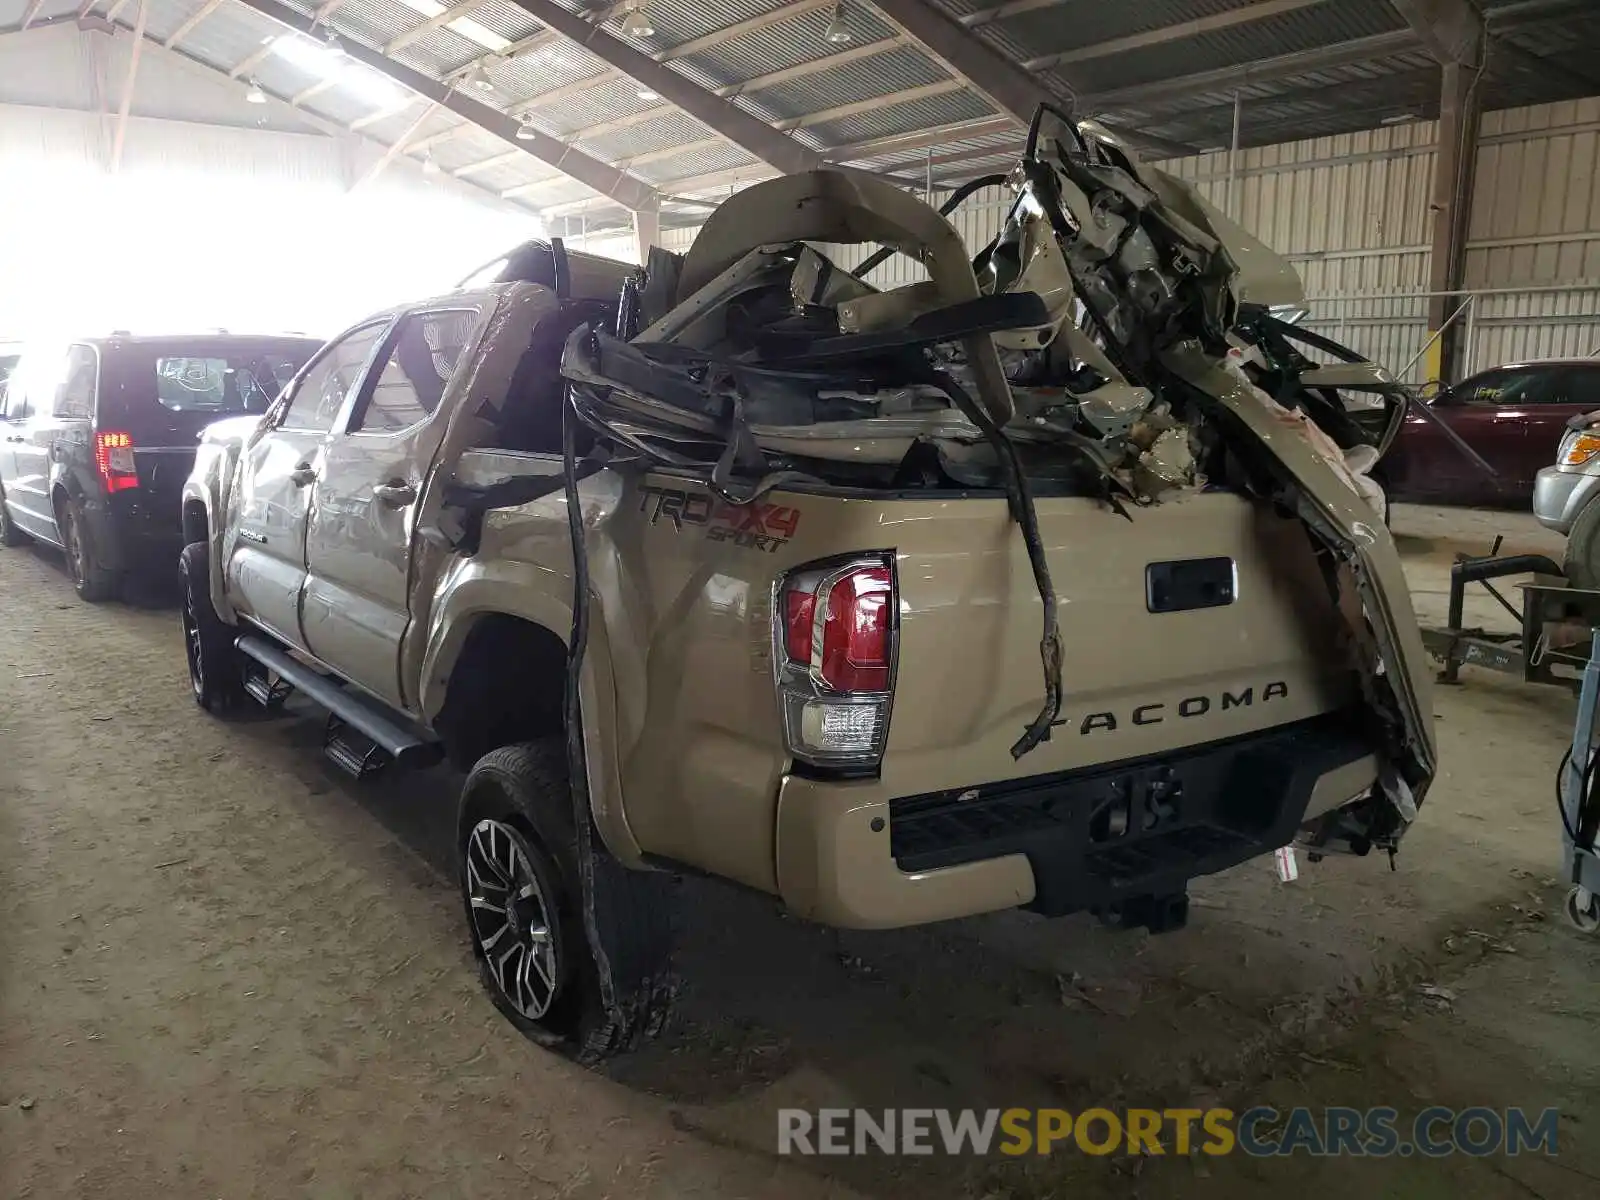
(227, 971)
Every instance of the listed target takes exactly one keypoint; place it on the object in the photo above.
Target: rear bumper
(133, 529)
(1097, 839)
(1559, 496)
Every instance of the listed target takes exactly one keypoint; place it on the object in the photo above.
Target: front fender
(474, 589)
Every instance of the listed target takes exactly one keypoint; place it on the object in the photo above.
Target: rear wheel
(216, 670)
(10, 535)
(523, 885)
(92, 580)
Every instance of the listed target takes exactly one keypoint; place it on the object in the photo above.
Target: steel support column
(646, 233)
(1454, 33)
(1459, 109)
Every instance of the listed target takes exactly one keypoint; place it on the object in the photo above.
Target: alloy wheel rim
(512, 919)
(74, 549)
(191, 646)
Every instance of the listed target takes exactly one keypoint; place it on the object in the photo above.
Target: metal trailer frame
(1580, 818)
(1556, 623)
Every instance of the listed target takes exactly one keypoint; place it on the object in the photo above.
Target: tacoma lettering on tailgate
(1189, 706)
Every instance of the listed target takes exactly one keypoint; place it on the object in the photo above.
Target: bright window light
(308, 55)
(465, 26)
(327, 63)
(371, 86)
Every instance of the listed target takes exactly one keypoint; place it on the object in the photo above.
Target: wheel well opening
(508, 686)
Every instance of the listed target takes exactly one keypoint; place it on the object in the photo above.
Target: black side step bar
(398, 737)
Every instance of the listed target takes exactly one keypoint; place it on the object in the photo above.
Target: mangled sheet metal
(1113, 341)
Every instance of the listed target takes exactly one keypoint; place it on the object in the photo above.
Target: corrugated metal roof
(679, 21)
(662, 133)
(1315, 103)
(662, 172)
(224, 38)
(505, 18)
(778, 47)
(437, 51)
(591, 106)
(1304, 29)
(508, 175)
(902, 118)
(374, 22)
(1076, 24)
(899, 69)
(907, 160)
(343, 107)
(162, 18)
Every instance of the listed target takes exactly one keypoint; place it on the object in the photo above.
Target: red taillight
(836, 645)
(113, 458)
(854, 655)
(799, 611)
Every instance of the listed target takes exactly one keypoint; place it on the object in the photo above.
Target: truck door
(266, 550)
(358, 541)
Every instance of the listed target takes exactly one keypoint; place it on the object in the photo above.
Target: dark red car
(1514, 416)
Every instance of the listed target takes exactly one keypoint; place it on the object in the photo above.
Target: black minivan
(98, 436)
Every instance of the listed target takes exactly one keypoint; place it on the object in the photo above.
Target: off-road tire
(91, 578)
(525, 789)
(10, 535)
(1581, 561)
(216, 668)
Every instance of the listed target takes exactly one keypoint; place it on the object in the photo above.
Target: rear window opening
(187, 383)
(176, 388)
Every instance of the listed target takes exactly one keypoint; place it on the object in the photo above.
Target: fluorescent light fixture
(255, 95)
(838, 30)
(647, 94)
(1399, 119)
(637, 24)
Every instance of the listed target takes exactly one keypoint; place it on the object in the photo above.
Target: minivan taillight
(113, 458)
(836, 650)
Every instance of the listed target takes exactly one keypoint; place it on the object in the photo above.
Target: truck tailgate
(1135, 681)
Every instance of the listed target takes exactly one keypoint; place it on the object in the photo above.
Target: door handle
(302, 475)
(396, 495)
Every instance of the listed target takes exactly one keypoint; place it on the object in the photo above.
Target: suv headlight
(1578, 448)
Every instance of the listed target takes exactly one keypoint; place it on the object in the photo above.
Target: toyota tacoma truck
(1018, 586)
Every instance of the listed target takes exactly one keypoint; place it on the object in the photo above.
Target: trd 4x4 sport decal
(756, 526)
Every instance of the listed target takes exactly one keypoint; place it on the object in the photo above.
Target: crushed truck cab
(1039, 583)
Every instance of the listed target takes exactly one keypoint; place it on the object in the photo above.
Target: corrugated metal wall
(1352, 213)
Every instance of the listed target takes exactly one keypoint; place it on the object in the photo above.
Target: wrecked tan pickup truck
(1011, 588)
